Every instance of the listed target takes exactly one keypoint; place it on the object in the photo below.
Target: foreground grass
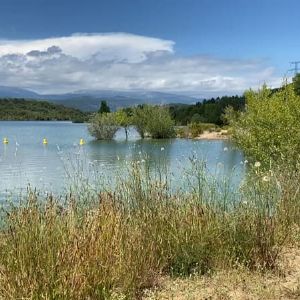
(238, 284)
(123, 241)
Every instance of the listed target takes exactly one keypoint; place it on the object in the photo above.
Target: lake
(25, 160)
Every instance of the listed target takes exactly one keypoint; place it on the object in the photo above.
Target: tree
(296, 82)
(104, 108)
(103, 126)
(140, 119)
(124, 120)
(269, 128)
(153, 120)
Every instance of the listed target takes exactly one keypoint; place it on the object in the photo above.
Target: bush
(269, 129)
(103, 126)
(196, 129)
(153, 120)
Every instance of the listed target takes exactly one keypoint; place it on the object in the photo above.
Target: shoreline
(214, 135)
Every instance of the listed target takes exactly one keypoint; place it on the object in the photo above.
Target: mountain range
(87, 100)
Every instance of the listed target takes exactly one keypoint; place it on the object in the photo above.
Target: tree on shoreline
(103, 126)
(154, 121)
(104, 108)
(269, 130)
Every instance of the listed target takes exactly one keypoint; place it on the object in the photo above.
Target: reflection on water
(25, 160)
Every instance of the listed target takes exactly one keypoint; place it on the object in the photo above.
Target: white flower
(225, 149)
(266, 178)
(246, 161)
(162, 149)
(257, 164)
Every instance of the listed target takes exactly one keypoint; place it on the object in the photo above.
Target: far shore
(213, 135)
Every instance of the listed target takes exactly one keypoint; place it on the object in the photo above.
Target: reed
(125, 238)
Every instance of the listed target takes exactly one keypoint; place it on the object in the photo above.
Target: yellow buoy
(5, 140)
(81, 142)
(45, 141)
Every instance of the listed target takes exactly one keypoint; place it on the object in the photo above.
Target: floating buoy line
(44, 141)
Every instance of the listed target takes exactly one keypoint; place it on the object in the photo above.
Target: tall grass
(124, 239)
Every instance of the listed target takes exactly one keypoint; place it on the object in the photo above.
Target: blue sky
(233, 44)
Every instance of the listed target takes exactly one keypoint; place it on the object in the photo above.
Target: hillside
(21, 109)
(89, 100)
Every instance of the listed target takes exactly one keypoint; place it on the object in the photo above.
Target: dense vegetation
(151, 121)
(112, 242)
(269, 129)
(21, 110)
(207, 111)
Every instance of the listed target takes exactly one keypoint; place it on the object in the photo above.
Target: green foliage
(269, 129)
(153, 120)
(103, 126)
(207, 111)
(296, 82)
(104, 108)
(195, 129)
(124, 119)
(23, 110)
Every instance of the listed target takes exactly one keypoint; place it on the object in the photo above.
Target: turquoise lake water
(26, 161)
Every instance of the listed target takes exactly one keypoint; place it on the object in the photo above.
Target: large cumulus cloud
(124, 61)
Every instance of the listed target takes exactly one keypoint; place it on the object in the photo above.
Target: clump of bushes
(103, 126)
(197, 129)
(269, 128)
(154, 121)
(151, 121)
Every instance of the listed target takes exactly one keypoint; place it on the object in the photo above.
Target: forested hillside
(207, 111)
(21, 109)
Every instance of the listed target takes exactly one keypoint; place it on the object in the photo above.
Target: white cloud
(123, 61)
(120, 46)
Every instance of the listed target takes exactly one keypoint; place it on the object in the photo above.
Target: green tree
(104, 108)
(153, 120)
(124, 120)
(269, 128)
(103, 126)
(296, 82)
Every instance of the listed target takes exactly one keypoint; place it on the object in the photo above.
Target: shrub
(153, 120)
(269, 129)
(196, 129)
(103, 126)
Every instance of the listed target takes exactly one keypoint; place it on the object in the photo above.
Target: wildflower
(246, 161)
(257, 164)
(266, 178)
(162, 149)
(225, 149)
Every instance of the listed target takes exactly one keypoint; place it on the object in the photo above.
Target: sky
(194, 47)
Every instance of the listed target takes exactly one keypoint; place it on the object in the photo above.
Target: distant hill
(21, 109)
(89, 100)
(14, 92)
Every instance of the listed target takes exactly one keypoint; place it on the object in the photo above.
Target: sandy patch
(214, 135)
